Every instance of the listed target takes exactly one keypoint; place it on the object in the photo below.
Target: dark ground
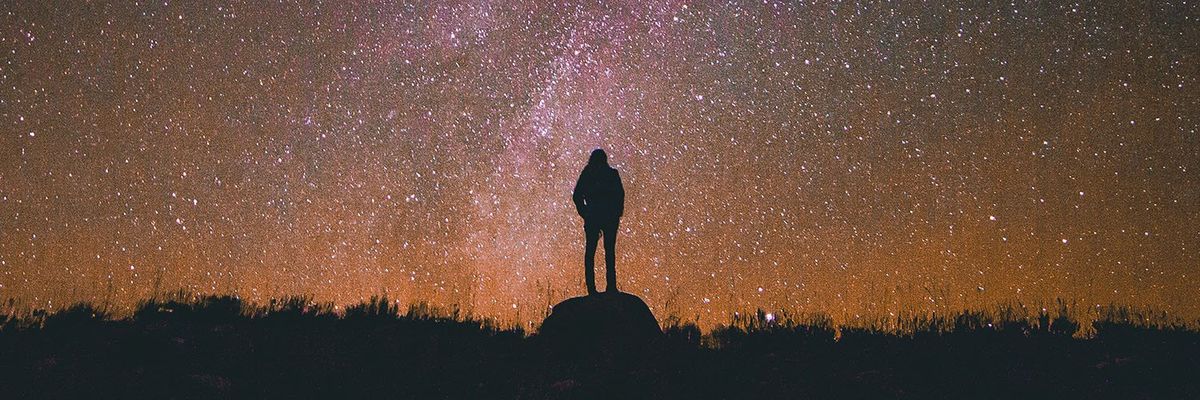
(217, 347)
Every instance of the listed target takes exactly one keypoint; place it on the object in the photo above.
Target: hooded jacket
(598, 193)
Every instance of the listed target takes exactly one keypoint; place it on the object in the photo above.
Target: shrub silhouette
(222, 347)
(207, 309)
(76, 316)
(377, 308)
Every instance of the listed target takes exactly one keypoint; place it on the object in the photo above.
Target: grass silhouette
(186, 346)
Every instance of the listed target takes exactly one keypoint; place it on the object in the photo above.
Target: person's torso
(602, 191)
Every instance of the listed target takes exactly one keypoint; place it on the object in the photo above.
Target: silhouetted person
(600, 200)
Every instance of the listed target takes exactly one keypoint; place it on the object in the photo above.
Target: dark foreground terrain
(218, 347)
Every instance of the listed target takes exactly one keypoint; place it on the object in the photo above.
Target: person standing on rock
(600, 200)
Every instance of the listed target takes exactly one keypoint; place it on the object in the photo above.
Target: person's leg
(592, 235)
(610, 256)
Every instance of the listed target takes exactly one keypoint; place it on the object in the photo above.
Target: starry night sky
(854, 159)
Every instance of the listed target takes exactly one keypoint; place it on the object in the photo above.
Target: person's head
(598, 158)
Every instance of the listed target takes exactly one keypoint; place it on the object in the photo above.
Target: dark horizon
(219, 347)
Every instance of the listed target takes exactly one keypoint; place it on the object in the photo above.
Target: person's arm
(577, 195)
(620, 195)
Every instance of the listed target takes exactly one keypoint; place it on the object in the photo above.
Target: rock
(603, 322)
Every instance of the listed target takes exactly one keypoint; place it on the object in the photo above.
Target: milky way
(852, 159)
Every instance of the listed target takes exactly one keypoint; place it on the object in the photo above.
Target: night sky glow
(854, 159)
